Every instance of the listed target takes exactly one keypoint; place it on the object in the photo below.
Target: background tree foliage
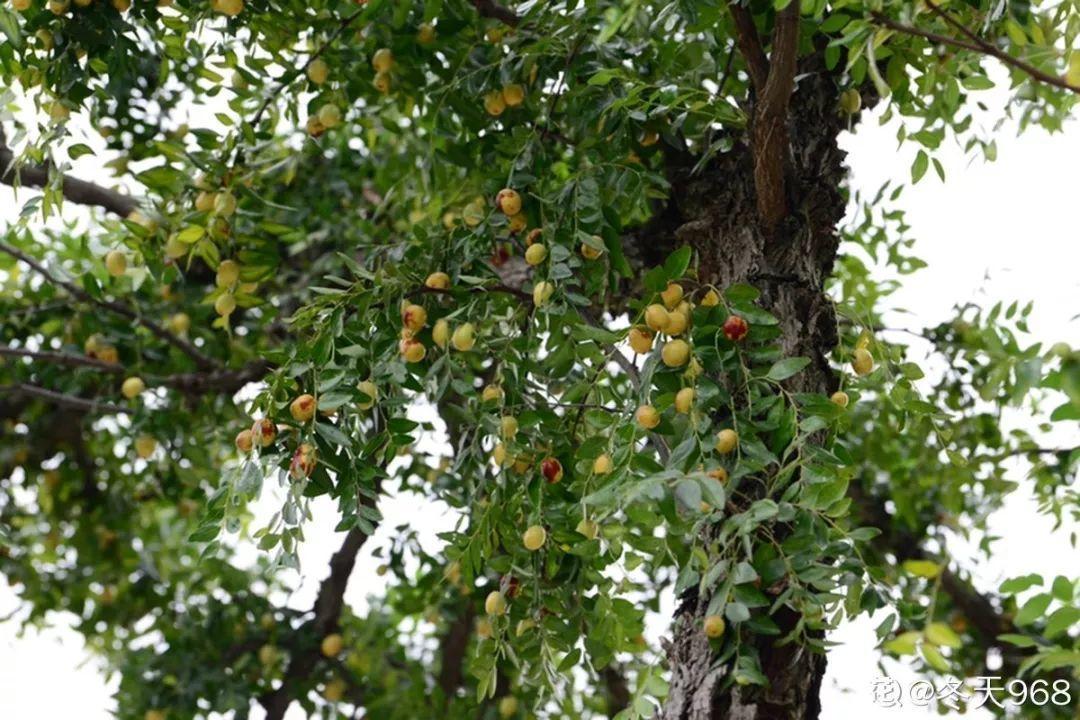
(308, 170)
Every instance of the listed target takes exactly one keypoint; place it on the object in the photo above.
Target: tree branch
(60, 358)
(977, 44)
(86, 405)
(202, 361)
(77, 191)
(749, 42)
(452, 649)
(495, 11)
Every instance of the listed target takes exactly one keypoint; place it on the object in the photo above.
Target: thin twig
(70, 401)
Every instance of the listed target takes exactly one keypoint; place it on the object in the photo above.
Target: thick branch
(618, 694)
(749, 42)
(452, 650)
(74, 190)
(204, 362)
(495, 11)
(976, 44)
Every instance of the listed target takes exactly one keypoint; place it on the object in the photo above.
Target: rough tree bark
(718, 213)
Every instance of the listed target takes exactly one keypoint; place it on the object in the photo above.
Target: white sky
(995, 231)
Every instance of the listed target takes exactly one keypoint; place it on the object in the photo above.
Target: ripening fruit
(850, 101)
(332, 645)
(268, 654)
(551, 469)
(21, 5)
(684, 400)
(508, 201)
(440, 333)
(414, 317)
(334, 690)
(495, 603)
(513, 95)
(517, 223)
(719, 474)
(381, 82)
(494, 104)
(145, 445)
(438, 281)
(508, 706)
(329, 115)
(542, 292)
(231, 8)
(641, 339)
(368, 388)
(536, 253)
(647, 417)
(590, 251)
(839, 398)
(302, 408)
(508, 427)
(225, 203)
(179, 323)
(491, 393)
(132, 387)
(726, 441)
(244, 441)
(473, 213)
(228, 272)
(225, 304)
(58, 7)
(425, 34)
(672, 295)
(656, 317)
(413, 351)
(115, 263)
(382, 60)
(588, 528)
(264, 431)
(204, 201)
(710, 299)
(464, 337)
(649, 138)
(121, 5)
(483, 628)
(714, 626)
(677, 322)
(602, 465)
(499, 455)
(534, 236)
(303, 461)
(534, 538)
(862, 362)
(108, 354)
(154, 715)
(318, 71)
(675, 353)
(735, 328)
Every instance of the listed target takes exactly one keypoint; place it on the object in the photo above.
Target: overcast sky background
(994, 231)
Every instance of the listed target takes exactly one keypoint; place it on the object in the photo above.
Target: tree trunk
(716, 213)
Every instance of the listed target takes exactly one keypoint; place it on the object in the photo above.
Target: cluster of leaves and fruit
(418, 219)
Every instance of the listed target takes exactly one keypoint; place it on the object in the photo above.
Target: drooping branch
(749, 43)
(975, 44)
(495, 11)
(201, 360)
(77, 191)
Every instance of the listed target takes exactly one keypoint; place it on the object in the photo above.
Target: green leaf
(677, 262)
(919, 167)
(787, 367)
(1033, 609)
(942, 635)
(902, 644)
(922, 568)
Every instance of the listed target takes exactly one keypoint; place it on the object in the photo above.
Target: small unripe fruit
(508, 707)
(116, 263)
(656, 317)
(382, 60)
(517, 223)
(440, 333)
(329, 115)
(602, 465)
(542, 292)
(590, 251)
(726, 441)
(551, 469)
(494, 105)
(204, 201)
(225, 304)
(228, 272)
(672, 295)
(641, 339)
(508, 427)
(368, 388)
(647, 417)
(839, 398)
(495, 603)
(536, 254)
(413, 351)
(267, 654)
(334, 690)
(675, 353)
(332, 645)
(382, 82)
(225, 203)
(499, 455)
(588, 528)
(850, 101)
(719, 474)
(231, 8)
(491, 393)
(302, 408)
(710, 299)
(180, 323)
(425, 34)
(244, 441)
(438, 281)
(132, 387)
(684, 400)
(534, 538)
(714, 626)
(145, 445)
(414, 317)
(154, 715)
(508, 201)
(513, 95)
(483, 628)
(303, 461)
(862, 362)
(318, 71)
(464, 338)
(264, 432)
(735, 328)
(21, 5)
